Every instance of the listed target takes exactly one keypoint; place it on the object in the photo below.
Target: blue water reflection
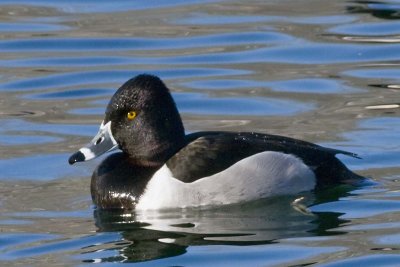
(77, 6)
(78, 44)
(110, 76)
(30, 27)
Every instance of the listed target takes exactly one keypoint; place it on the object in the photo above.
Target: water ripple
(368, 29)
(101, 6)
(108, 76)
(306, 85)
(31, 27)
(93, 44)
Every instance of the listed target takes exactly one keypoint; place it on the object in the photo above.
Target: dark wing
(207, 153)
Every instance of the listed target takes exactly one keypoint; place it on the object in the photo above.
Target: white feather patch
(262, 175)
(87, 153)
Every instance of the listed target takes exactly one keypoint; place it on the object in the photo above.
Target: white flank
(265, 174)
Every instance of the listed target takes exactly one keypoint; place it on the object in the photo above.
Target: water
(323, 71)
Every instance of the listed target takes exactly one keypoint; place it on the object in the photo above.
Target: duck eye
(131, 115)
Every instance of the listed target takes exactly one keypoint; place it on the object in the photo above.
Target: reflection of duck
(152, 235)
(161, 167)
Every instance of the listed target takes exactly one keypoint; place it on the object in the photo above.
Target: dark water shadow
(379, 9)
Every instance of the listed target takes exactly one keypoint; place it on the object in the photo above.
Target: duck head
(142, 120)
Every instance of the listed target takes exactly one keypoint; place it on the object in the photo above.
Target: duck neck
(156, 155)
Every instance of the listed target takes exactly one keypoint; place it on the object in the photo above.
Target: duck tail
(343, 152)
(333, 171)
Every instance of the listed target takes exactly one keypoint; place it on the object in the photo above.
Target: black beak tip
(76, 157)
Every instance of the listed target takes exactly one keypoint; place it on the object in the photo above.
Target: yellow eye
(131, 115)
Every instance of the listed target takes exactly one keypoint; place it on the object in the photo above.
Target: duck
(158, 166)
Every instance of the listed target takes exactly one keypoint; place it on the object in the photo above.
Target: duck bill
(100, 144)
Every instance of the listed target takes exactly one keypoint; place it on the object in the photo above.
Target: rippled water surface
(323, 71)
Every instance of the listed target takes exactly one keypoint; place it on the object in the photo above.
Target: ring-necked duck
(161, 167)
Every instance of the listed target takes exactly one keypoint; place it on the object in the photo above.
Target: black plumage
(208, 153)
(156, 137)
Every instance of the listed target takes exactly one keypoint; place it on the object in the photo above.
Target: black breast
(117, 183)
